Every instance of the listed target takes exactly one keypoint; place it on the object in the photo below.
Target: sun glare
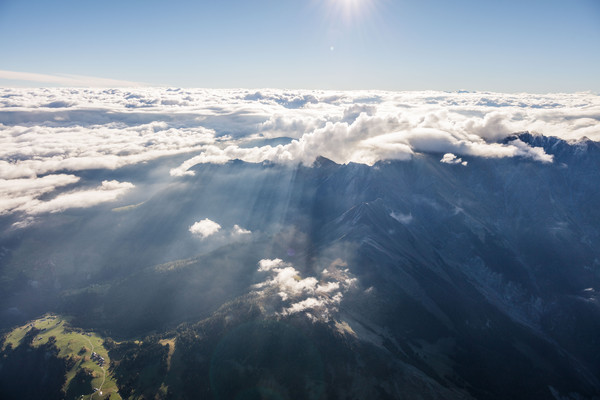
(351, 10)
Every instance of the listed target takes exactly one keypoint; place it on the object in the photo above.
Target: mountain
(406, 279)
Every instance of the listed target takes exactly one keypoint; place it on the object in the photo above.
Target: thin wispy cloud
(24, 195)
(19, 194)
(107, 191)
(68, 80)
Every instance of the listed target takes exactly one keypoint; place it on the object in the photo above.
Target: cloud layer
(367, 127)
(47, 136)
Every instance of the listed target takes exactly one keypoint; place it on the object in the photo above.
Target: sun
(351, 10)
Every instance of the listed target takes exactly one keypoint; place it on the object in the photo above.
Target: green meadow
(76, 346)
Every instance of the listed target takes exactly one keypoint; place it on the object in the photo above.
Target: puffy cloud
(267, 264)
(328, 287)
(310, 303)
(318, 298)
(205, 228)
(353, 112)
(450, 158)
(238, 231)
(375, 126)
(366, 141)
(286, 279)
(292, 125)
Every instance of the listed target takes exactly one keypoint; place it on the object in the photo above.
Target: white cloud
(319, 296)
(210, 155)
(19, 193)
(239, 231)
(24, 195)
(366, 141)
(44, 131)
(286, 279)
(107, 191)
(397, 125)
(450, 158)
(310, 303)
(292, 124)
(40, 149)
(205, 228)
(369, 139)
(268, 264)
(328, 287)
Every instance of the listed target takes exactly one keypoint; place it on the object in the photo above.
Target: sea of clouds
(48, 136)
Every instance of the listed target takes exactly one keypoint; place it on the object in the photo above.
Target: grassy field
(79, 346)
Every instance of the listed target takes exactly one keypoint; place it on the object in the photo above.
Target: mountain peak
(321, 162)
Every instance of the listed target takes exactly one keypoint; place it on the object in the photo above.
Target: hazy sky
(506, 46)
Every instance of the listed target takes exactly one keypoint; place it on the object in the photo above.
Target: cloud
(391, 126)
(106, 192)
(310, 303)
(318, 298)
(40, 149)
(402, 218)
(367, 140)
(267, 264)
(209, 155)
(18, 194)
(292, 125)
(355, 110)
(450, 158)
(66, 80)
(53, 131)
(286, 279)
(23, 223)
(239, 231)
(204, 228)
(24, 195)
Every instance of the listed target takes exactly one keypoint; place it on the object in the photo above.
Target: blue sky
(506, 46)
